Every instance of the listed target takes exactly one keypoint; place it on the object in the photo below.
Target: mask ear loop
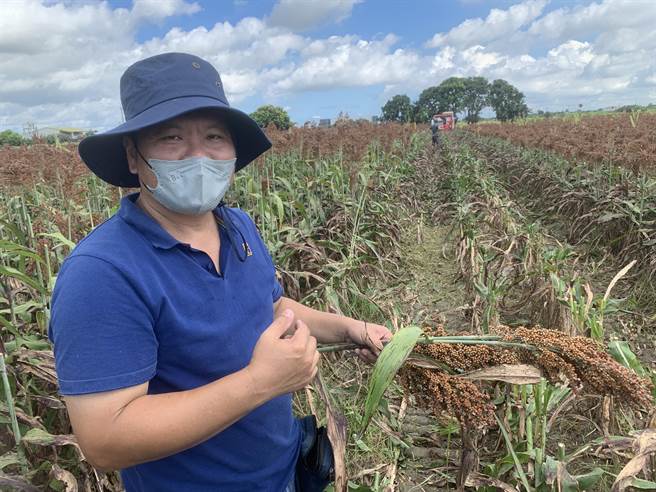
(134, 140)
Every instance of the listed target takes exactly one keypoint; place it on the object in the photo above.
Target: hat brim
(105, 156)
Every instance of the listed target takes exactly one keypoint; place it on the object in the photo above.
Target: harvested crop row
(601, 207)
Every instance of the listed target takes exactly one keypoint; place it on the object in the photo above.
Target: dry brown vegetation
(616, 139)
(62, 164)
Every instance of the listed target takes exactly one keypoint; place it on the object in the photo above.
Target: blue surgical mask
(191, 186)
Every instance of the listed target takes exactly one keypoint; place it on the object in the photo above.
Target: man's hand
(371, 339)
(282, 365)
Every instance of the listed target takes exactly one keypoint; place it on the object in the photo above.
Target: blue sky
(368, 19)
(62, 59)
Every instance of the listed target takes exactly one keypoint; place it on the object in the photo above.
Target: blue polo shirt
(132, 304)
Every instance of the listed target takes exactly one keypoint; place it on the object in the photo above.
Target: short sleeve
(101, 329)
(254, 233)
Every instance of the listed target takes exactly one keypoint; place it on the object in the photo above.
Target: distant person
(437, 122)
(175, 347)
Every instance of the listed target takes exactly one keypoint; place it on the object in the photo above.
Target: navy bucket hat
(159, 88)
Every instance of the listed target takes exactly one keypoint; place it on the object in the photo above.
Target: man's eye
(170, 138)
(215, 136)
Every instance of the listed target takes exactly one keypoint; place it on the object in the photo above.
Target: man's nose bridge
(195, 144)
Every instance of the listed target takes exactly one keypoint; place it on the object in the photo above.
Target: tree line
(466, 96)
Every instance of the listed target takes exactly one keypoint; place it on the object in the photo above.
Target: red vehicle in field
(444, 121)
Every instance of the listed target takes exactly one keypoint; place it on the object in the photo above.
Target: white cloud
(609, 16)
(443, 60)
(68, 74)
(157, 10)
(497, 25)
(301, 15)
(52, 51)
(479, 60)
(347, 62)
(571, 54)
(250, 44)
(594, 52)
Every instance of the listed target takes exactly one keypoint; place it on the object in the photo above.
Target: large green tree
(448, 96)
(272, 115)
(427, 104)
(506, 101)
(399, 108)
(474, 97)
(452, 94)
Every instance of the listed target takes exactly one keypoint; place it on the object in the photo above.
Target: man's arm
(331, 328)
(125, 427)
(325, 327)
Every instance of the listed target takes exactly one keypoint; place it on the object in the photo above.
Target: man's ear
(131, 153)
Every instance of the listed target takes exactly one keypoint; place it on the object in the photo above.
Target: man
(436, 125)
(175, 347)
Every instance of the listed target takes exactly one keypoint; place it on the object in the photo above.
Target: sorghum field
(518, 279)
(624, 139)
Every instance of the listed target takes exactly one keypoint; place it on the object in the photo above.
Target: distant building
(63, 133)
(318, 123)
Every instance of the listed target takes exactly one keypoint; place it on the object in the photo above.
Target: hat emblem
(196, 65)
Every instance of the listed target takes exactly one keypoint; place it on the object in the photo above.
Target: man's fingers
(312, 343)
(302, 333)
(281, 324)
(366, 355)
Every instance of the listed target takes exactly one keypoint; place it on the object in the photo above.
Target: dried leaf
(8, 459)
(513, 374)
(16, 483)
(337, 424)
(589, 298)
(644, 444)
(50, 401)
(65, 476)
(556, 474)
(479, 480)
(22, 416)
(469, 460)
(40, 437)
(40, 363)
(617, 277)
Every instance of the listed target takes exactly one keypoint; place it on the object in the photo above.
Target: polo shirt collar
(134, 215)
(131, 213)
